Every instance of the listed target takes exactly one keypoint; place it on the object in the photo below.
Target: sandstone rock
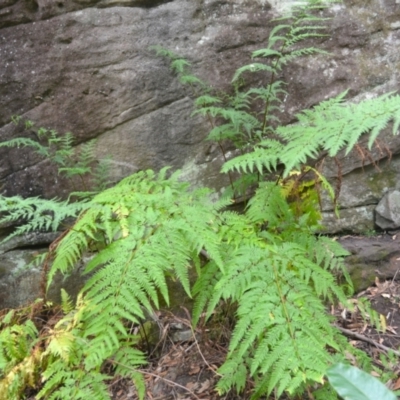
(84, 66)
(20, 283)
(388, 211)
(372, 257)
(32, 239)
(90, 72)
(355, 219)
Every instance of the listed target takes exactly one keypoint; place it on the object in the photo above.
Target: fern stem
(287, 317)
(223, 155)
(266, 108)
(271, 82)
(83, 183)
(52, 248)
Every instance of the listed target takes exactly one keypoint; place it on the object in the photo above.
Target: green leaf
(353, 384)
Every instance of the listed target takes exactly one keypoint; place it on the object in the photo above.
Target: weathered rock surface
(372, 257)
(355, 219)
(20, 282)
(362, 188)
(90, 72)
(84, 66)
(388, 211)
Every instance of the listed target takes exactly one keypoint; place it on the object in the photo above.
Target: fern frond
(268, 52)
(35, 214)
(26, 142)
(206, 100)
(254, 67)
(330, 127)
(260, 159)
(190, 80)
(179, 65)
(270, 322)
(162, 51)
(203, 289)
(61, 382)
(268, 205)
(86, 154)
(146, 240)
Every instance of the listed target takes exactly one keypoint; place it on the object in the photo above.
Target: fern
(266, 261)
(19, 356)
(37, 214)
(236, 118)
(277, 277)
(145, 241)
(329, 127)
(59, 149)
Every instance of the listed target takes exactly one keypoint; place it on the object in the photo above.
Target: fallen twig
(169, 382)
(356, 335)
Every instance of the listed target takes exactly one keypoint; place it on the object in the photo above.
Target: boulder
(85, 66)
(388, 211)
(371, 258)
(21, 282)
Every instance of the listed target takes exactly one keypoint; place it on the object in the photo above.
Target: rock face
(85, 66)
(20, 281)
(372, 258)
(388, 211)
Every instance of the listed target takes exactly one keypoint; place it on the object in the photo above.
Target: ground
(186, 370)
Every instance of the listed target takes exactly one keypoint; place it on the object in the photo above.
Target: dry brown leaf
(191, 385)
(396, 386)
(391, 329)
(350, 357)
(194, 370)
(204, 386)
(173, 363)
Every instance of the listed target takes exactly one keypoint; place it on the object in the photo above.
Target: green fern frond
(254, 67)
(330, 127)
(190, 80)
(26, 142)
(206, 100)
(271, 322)
(61, 382)
(162, 51)
(35, 214)
(146, 240)
(179, 65)
(268, 52)
(260, 159)
(268, 205)
(86, 154)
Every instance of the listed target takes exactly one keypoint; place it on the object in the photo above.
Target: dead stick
(356, 335)
(171, 383)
